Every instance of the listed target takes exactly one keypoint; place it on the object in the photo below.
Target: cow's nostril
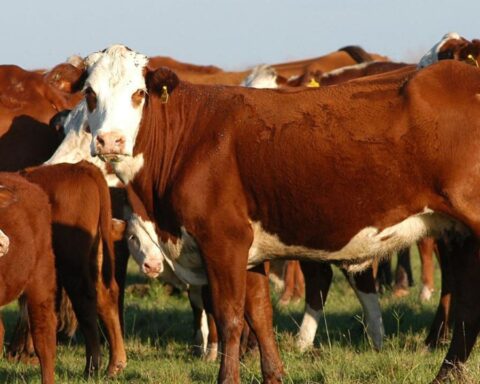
(100, 141)
(119, 141)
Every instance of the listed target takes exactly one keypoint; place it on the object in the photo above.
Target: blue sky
(231, 34)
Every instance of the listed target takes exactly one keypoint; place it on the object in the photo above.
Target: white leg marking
(212, 352)
(425, 294)
(308, 329)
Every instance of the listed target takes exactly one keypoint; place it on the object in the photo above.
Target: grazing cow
(81, 222)
(243, 174)
(28, 100)
(26, 219)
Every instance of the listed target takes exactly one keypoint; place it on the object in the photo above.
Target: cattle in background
(28, 100)
(235, 195)
(25, 217)
(81, 222)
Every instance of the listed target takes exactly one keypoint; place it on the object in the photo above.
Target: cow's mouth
(112, 157)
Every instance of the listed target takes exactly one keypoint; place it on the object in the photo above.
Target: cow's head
(115, 92)
(449, 47)
(143, 244)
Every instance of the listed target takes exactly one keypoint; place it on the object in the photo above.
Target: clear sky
(232, 34)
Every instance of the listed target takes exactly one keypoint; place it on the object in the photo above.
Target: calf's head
(143, 244)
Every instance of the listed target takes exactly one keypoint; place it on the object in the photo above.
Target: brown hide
(28, 100)
(81, 217)
(28, 266)
(314, 167)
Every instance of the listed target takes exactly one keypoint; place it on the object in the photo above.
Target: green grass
(158, 335)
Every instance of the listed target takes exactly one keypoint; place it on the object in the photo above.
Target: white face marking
(143, 245)
(262, 76)
(4, 243)
(76, 144)
(308, 329)
(114, 76)
(432, 55)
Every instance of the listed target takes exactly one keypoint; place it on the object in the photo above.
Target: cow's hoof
(116, 368)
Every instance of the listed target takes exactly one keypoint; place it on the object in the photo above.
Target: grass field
(158, 335)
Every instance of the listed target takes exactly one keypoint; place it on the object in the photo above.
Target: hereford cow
(25, 218)
(346, 174)
(84, 254)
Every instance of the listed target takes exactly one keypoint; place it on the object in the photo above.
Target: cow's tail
(357, 53)
(108, 259)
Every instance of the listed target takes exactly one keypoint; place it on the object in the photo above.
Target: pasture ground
(158, 336)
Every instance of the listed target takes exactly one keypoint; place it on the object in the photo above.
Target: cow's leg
(289, 282)
(43, 322)
(318, 277)
(21, 344)
(403, 274)
(82, 293)
(384, 275)
(121, 261)
(426, 249)
(364, 287)
(107, 307)
(2, 334)
(259, 314)
(225, 253)
(200, 322)
(212, 346)
(299, 288)
(440, 328)
(466, 295)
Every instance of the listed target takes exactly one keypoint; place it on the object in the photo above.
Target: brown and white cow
(27, 267)
(346, 174)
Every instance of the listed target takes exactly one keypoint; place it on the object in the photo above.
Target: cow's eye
(138, 97)
(91, 99)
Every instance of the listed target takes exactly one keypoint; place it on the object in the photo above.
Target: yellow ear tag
(313, 83)
(164, 97)
(472, 60)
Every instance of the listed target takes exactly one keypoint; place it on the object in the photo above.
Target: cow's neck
(164, 140)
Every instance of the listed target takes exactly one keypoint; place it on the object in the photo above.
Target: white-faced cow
(347, 174)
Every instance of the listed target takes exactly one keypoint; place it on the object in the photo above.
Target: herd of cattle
(204, 182)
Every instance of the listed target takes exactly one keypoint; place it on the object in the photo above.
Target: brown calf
(28, 265)
(81, 222)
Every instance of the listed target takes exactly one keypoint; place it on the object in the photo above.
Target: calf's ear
(161, 79)
(118, 229)
(7, 197)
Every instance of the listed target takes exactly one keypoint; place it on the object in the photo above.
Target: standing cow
(346, 174)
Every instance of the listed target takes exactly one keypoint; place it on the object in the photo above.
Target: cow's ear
(66, 77)
(7, 196)
(160, 80)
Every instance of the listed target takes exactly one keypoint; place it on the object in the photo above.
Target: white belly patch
(367, 245)
(363, 248)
